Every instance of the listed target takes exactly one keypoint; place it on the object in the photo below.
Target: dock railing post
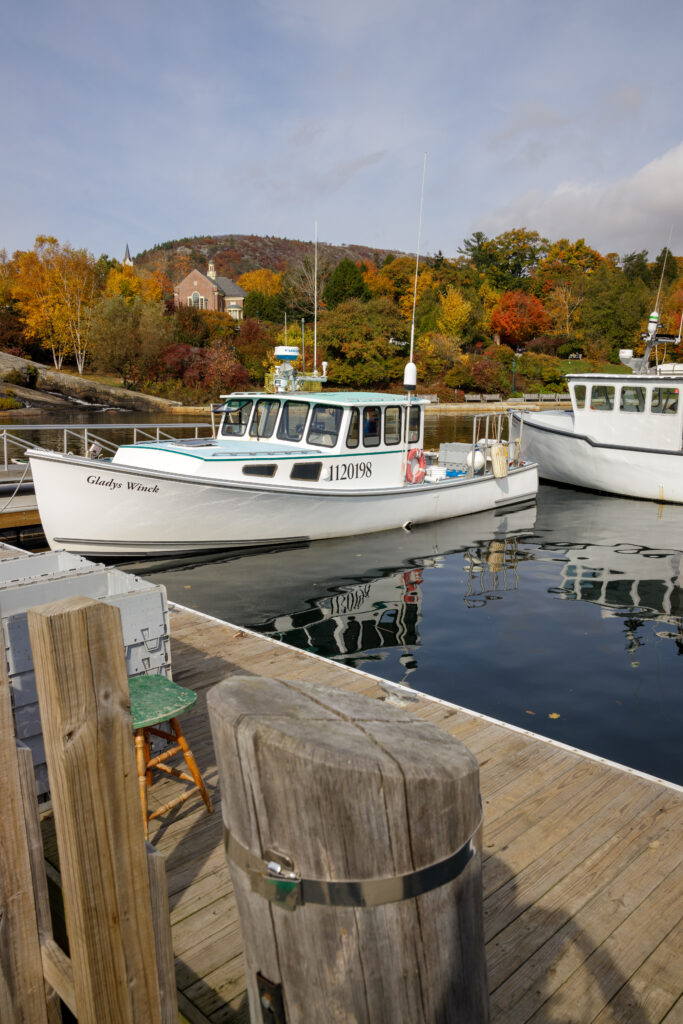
(81, 677)
(353, 837)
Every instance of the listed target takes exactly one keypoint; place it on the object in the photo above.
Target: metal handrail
(14, 445)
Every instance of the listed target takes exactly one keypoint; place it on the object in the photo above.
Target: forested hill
(234, 255)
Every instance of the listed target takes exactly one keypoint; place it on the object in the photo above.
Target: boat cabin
(344, 421)
(635, 410)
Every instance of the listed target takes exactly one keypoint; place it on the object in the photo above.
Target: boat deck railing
(78, 437)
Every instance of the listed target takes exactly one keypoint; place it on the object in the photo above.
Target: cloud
(621, 216)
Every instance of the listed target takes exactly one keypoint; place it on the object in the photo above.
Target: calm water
(564, 618)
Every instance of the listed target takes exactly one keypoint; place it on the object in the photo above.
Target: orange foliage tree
(265, 281)
(518, 317)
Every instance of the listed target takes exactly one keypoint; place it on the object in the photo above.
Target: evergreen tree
(345, 282)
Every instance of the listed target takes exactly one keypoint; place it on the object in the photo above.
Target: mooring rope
(13, 496)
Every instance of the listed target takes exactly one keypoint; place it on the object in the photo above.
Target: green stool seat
(154, 700)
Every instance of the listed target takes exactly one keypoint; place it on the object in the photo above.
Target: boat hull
(106, 509)
(575, 459)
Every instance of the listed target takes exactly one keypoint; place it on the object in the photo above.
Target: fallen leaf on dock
(241, 633)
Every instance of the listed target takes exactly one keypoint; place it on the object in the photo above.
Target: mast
(303, 345)
(410, 372)
(315, 302)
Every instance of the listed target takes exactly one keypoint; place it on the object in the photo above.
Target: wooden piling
(82, 684)
(23, 998)
(335, 787)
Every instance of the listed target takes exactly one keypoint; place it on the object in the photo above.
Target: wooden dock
(582, 859)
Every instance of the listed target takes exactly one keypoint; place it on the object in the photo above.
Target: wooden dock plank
(582, 880)
(569, 869)
(578, 929)
(620, 956)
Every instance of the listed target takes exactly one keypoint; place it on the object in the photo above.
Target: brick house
(207, 291)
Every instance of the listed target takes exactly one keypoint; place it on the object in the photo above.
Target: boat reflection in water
(620, 555)
(563, 618)
(350, 599)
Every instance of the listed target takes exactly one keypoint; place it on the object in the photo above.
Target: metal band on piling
(274, 878)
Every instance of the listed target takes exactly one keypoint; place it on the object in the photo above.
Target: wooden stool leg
(191, 763)
(141, 761)
(148, 755)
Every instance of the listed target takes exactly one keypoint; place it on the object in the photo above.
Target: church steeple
(127, 261)
(211, 272)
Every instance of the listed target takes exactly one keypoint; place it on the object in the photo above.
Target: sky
(139, 123)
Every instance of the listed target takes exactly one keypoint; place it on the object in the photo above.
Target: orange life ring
(416, 465)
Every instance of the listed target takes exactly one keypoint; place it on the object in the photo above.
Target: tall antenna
(417, 258)
(303, 345)
(661, 276)
(315, 302)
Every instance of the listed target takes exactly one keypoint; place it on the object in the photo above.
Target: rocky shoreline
(54, 390)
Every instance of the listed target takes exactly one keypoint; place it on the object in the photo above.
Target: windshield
(325, 423)
(293, 421)
(236, 417)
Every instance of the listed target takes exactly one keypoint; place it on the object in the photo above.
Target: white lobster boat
(624, 433)
(281, 468)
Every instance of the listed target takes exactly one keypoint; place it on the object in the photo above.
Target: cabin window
(580, 396)
(265, 415)
(259, 469)
(414, 424)
(236, 416)
(632, 399)
(392, 425)
(306, 471)
(602, 397)
(293, 421)
(352, 438)
(372, 420)
(325, 424)
(664, 400)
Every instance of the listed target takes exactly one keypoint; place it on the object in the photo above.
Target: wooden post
(56, 965)
(22, 988)
(82, 684)
(337, 787)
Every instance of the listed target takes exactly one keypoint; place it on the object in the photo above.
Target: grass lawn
(111, 380)
(584, 366)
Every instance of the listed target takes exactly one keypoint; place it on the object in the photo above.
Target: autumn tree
(357, 338)
(12, 336)
(455, 312)
(489, 298)
(394, 279)
(416, 290)
(55, 288)
(132, 283)
(518, 316)
(267, 282)
(128, 336)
